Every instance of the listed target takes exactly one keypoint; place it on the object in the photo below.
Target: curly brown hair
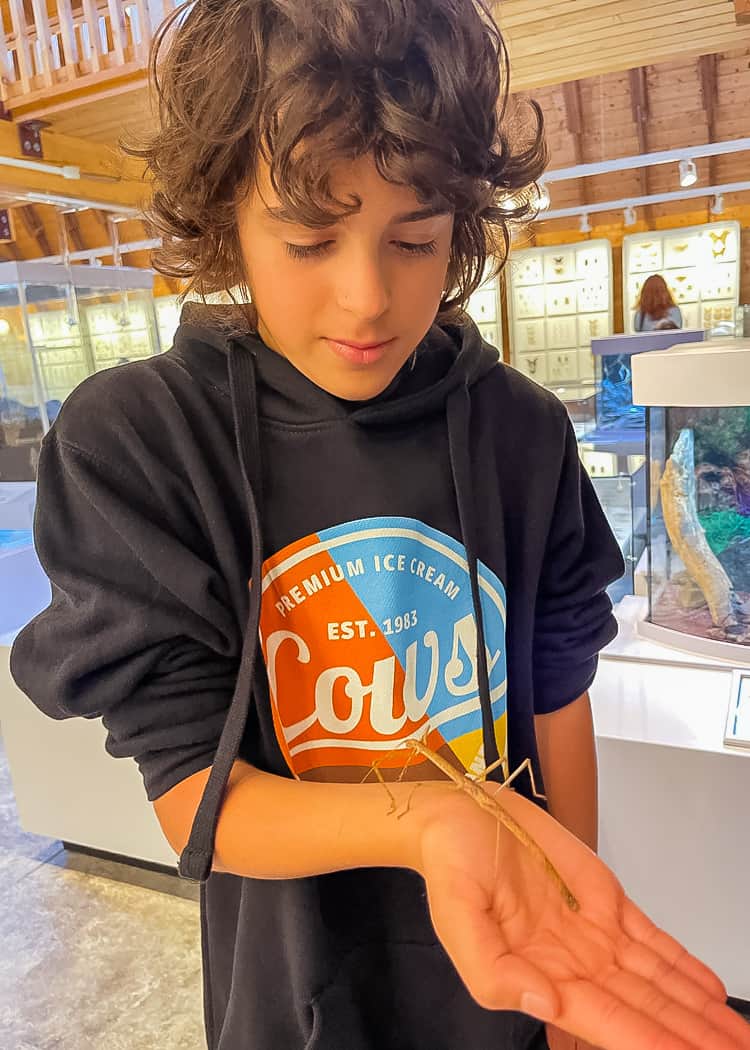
(421, 85)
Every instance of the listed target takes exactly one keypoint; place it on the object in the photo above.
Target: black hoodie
(435, 557)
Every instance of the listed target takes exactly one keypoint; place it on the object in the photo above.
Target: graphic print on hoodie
(166, 485)
(369, 639)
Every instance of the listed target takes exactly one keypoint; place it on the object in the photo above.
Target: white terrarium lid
(712, 374)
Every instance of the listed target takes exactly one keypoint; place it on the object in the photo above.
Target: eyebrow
(280, 214)
(427, 212)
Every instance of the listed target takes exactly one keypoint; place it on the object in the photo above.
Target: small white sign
(738, 716)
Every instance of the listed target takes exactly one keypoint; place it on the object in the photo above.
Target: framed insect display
(700, 265)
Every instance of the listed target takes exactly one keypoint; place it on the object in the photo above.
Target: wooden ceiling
(677, 104)
(126, 111)
(563, 40)
(619, 110)
(550, 43)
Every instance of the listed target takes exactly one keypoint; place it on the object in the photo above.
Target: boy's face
(348, 304)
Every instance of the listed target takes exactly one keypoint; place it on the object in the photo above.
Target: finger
(696, 1029)
(497, 979)
(642, 929)
(641, 961)
(605, 1019)
(557, 1039)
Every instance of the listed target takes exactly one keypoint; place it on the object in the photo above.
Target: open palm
(604, 973)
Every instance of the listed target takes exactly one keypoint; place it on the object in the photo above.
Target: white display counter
(66, 785)
(674, 803)
(673, 798)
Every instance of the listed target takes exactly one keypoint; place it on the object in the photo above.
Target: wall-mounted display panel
(701, 265)
(560, 298)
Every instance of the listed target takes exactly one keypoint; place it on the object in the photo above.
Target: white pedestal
(674, 805)
(67, 786)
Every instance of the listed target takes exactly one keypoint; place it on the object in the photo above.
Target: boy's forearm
(272, 827)
(567, 753)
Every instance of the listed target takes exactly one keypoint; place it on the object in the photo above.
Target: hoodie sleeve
(573, 616)
(137, 631)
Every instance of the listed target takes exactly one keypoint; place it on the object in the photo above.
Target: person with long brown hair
(330, 523)
(656, 307)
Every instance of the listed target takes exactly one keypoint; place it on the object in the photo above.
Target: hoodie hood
(262, 384)
(448, 357)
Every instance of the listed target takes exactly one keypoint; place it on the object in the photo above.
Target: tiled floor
(93, 955)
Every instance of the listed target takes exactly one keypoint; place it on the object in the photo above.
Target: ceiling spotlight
(585, 225)
(629, 216)
(688, 172)
(717, 204)
(543, 198)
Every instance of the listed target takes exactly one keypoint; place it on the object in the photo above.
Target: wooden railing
(70, 44)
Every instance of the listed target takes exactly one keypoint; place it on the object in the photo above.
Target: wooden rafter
(74, 231)
(641, 113)
(106, 178)
(35, 228)
(574, 121)
(12, 253)
(101, 218)
(707, 65)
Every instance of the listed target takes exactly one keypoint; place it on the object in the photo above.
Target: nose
(364, 286)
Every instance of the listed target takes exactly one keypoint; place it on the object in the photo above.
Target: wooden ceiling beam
(73, 226)
(35, 228)
(640, 110)
(14, 252)
(707, 65)
(106, 178)
(574, 121)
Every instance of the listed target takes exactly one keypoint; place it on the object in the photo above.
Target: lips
(360, 346)
(359, 353)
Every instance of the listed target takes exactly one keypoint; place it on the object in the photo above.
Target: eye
(307, 251)
(424, 248)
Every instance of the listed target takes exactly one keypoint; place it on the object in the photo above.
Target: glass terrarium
(619, 415)
(58, 325)
(698, 430)
(623, 500)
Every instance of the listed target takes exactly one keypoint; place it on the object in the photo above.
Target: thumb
(524, 987)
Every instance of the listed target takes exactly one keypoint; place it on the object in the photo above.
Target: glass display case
(580, 401)
(623, 499)
(698, 428)
(560, 298)
(620, 428)
(24, 588)
(701, 265)
(168, 309)
(59, 325)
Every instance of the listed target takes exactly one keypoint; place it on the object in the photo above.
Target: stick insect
(472, 787)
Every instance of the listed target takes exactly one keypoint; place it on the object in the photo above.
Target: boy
(426, 560)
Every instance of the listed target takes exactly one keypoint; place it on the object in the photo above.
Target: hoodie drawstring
(459, 434)
(197, 857)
